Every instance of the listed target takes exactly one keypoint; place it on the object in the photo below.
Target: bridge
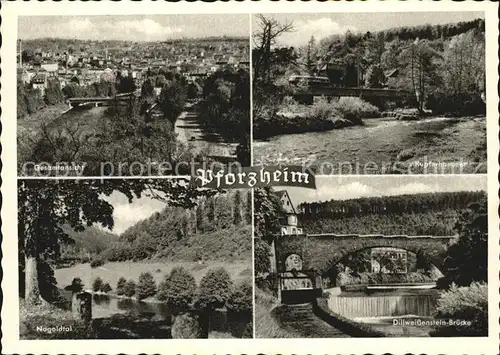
(320, 252)
(119, 99)
(333, 91)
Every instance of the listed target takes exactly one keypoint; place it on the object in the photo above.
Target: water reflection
(105, 306)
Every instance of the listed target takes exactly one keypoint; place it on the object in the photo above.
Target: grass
(112, 271)
(265, 324)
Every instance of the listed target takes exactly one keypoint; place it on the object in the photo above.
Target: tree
(421, 69)
(311, 53)
(53, 93)
(241, 299)
(375, 77)
(178, 288)
(464, 63)
(106, 288)
(215, 289)
(146, 287)
(129, 288)
(267, 213)
(470, 249)
(172, 100)
(120, 286)
(97, 284)
(237, 208)
(264, 39)
(262, 253)
(45, 205)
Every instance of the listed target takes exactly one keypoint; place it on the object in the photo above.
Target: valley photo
(132, 95)
(370, 93)
(370, 257)
(133, 259)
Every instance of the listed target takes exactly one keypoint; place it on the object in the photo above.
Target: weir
(384, 305)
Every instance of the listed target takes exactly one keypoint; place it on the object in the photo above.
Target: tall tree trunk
(32, 290)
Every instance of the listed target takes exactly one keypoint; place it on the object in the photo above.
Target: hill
(418, 214)
(218, 229)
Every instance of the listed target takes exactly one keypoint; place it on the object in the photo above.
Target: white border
(10, 317)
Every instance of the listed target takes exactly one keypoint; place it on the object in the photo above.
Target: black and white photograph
(133, 259)
(368, 257)
(370, 93)
(132, 95)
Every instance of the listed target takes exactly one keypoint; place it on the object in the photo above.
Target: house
(39, 81)
(290, 222)
(51, 68)
(391, 78)
(389, 260)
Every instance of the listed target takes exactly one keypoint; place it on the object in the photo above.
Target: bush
(456, 104)
(120, 286)
(97, 284)
(468, 303)
(106, 287)
(77, 285)
(215, 289)
(129, 288)
(96, 262)
(354, 109)
(178, 288)
(146, 286)
(241, 299)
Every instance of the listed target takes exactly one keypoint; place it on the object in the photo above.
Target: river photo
(354, 102)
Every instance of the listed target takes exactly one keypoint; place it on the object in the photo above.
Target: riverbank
(110, 272)
(323, 115)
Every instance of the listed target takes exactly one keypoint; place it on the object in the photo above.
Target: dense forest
(217, 229)
(418, 214)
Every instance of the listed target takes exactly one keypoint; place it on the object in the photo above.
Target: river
(193, 135)
(368, 149)
(104, 306)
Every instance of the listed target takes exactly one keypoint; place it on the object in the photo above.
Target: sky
(324, 25)
(127, 214)
(349, 187)
(134, 27)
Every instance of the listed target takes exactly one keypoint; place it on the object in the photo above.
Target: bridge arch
(321, 251)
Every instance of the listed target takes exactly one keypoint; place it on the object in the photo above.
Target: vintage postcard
(250, 178)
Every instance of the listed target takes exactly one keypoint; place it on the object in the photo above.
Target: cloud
(98, 28)
(319, 28)
(335, 191)
(412, 188)
(127, 214)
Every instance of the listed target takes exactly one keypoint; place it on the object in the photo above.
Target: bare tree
(270, 30)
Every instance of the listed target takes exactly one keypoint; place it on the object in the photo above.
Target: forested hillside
(219, 228)
(418, 214)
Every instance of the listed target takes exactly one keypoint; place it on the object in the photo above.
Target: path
(302, 320)
(191, 132)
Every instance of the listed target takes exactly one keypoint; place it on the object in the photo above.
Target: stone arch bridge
(319, 252)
